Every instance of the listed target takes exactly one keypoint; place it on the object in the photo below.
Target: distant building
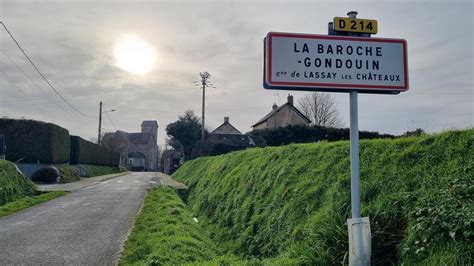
(282, 116)
(172, 160)
(227, 138)
(137, 150)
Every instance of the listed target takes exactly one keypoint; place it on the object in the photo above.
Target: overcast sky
(72, 43)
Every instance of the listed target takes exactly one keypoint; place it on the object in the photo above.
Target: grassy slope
(13, 185)
(165, 233)
(290, 203)
(17, 192)
(96, 170)
(68, 173)
(28, 201)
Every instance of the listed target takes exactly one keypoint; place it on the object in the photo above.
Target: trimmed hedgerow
(86, 152)
(13, 185)
(291, 202)
(305, 134)
(34, 141)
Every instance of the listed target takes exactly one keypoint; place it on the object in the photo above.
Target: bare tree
(321, 109)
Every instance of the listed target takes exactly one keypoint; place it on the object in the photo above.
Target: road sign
(355, 25)
(311, 62)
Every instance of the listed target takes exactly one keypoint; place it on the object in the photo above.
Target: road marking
(153, 182)
(85, 204)
(136, 181)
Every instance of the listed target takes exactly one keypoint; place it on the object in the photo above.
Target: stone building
(227, 137)
(282, 116)
(136, 149)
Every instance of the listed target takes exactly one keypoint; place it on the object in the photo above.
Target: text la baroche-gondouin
(363, 64)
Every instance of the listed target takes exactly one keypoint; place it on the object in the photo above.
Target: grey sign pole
(358, 227)
(355, 174)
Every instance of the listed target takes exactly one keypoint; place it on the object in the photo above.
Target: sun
(134, 55)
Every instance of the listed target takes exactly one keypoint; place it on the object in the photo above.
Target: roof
(226, 123)
(240, 140)
(149, 123)
(265, 118)
(137, 138)
(136, 155)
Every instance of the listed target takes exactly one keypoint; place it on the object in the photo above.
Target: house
(227, 138)
(282, 116)
(137, 150)
(172, 160)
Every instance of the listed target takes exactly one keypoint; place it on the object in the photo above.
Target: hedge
(86, 152)
(305, 134)
(30, 141)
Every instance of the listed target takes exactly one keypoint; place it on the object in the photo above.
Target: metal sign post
(345, 60)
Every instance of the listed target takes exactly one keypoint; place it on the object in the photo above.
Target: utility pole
(204, 77)
(100, 122)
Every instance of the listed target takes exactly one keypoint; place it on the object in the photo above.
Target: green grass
(289, 204)
(13, 185)
(164, 233)
(68, 173)
(28, 201)
(97, 170)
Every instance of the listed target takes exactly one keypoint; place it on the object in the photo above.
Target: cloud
(72, 43)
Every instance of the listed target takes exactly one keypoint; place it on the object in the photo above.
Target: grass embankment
(13, 185)
(96, 170)
(70, 173)
(165, 233)
(289, 204)
(28, 201)
(17, 192)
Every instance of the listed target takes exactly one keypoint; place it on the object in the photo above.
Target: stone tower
(150, 126)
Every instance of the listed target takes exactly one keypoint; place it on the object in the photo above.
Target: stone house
(282, 116)
(229, 136)
(136, 148)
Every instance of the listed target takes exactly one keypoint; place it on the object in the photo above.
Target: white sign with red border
(335, 63)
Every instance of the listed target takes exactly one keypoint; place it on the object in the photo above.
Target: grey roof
(137, 138)
(265, 118)
(240, 140)
(136, 155)
(149, 123)
(226, 123)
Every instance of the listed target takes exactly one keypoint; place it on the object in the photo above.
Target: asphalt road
(86, 227)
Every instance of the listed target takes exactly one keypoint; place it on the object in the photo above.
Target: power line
(28, 77)
(41, 74)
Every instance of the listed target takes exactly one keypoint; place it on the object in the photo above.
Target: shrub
(31, 141)
(46, 175)
(86, 152)
(13, 185)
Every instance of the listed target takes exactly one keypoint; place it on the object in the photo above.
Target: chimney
(226, 119)
(290, 99)
(274, 107)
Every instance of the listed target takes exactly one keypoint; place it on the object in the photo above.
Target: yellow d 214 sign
(355, 25)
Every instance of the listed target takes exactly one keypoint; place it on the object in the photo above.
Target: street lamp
(100, 120)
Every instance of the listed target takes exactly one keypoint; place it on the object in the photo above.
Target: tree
(321, 109)
(185, 133)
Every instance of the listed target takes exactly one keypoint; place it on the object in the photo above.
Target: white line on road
(153, 182)
(136, 181)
